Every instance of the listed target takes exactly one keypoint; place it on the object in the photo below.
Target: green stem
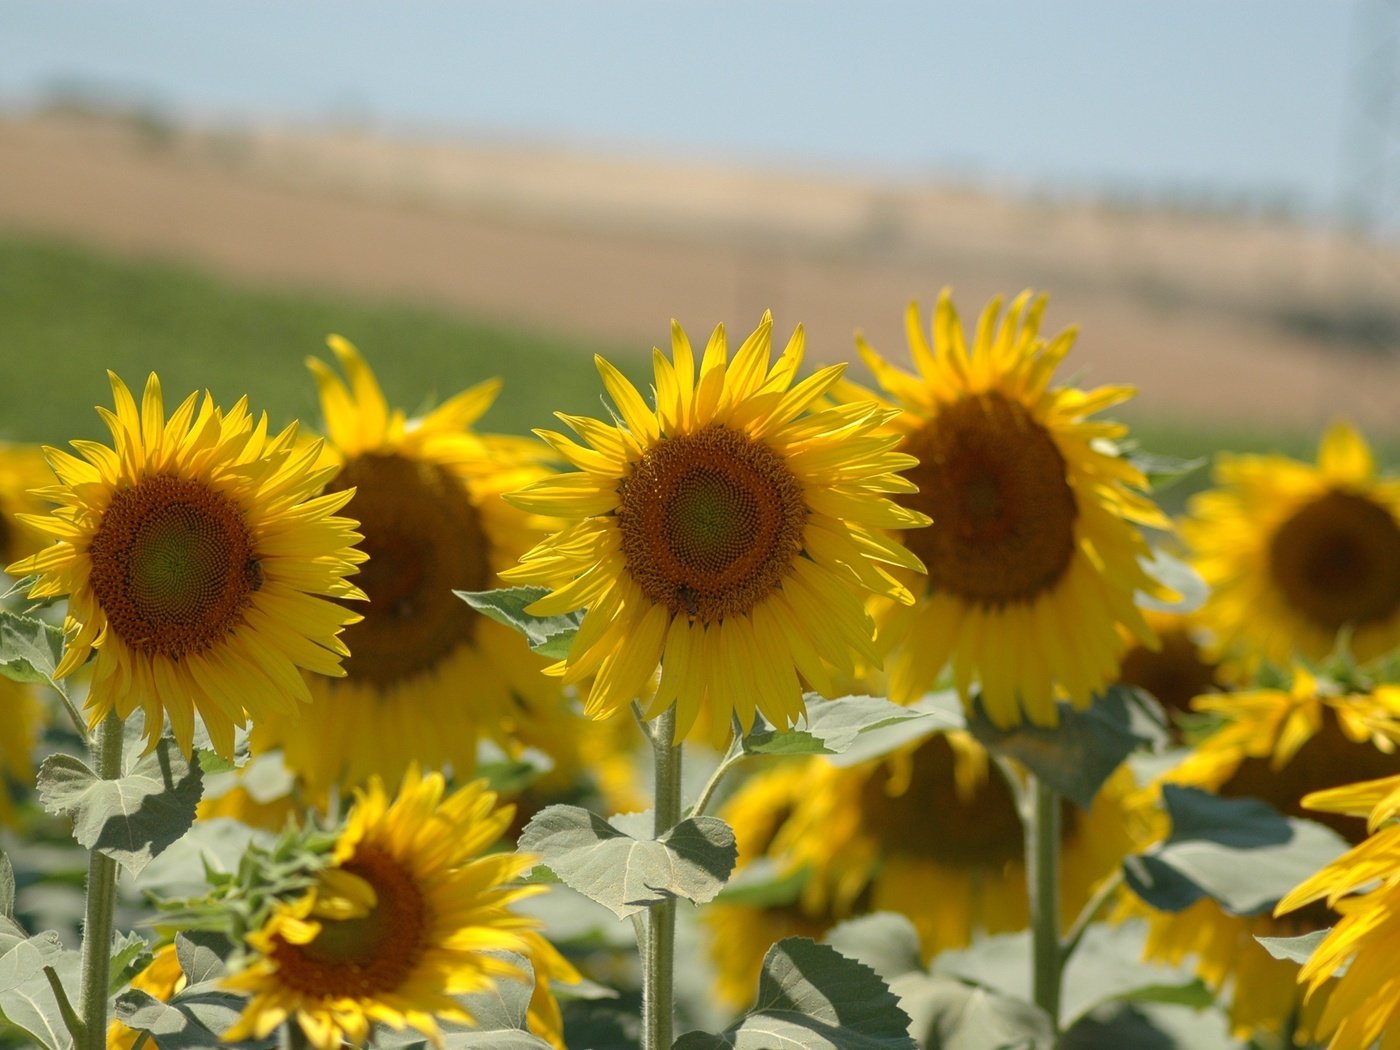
(293, 1036)
(1042, 828)
(731, 757)
(101, 898)
(659, 949)
(1100, 900)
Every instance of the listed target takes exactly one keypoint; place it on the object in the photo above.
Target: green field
(69, 314)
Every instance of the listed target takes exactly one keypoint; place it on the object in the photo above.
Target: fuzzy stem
(101, 899)
(659, 949)
(1042, 828)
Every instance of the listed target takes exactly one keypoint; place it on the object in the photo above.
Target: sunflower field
(758, 708)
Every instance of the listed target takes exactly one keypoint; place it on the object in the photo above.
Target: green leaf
(1081, 753)
(130, 955)
(1298, 949)
(132, 818)
(1120, 1026)
(1164, 471)
(831, 726)
(1180, 577)
(26, 956)
(625, 874)
(885, 941)
(547, 635)
(1240, 852)
(30, 649)
(192, 1020)
(946, 1014)
(32, 1008)
(943, 710)
(811, 997)
(201, 955)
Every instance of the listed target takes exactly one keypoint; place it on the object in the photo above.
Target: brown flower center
(993, 480)
(711, 522)
(424, 538)
(932, 820)
(1337, 561)
(1328, 759)
(368, 956)
(173, 565)
(1175, 674)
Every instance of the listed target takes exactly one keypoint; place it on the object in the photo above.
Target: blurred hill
(1217, 314)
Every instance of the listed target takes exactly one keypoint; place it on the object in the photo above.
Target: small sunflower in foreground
(404, 919)
(1277, 746)
(199, 562)
(1294, 554)
(428, 676)
(1035, 553)
(932, 832)
(22, 469)
(1361, 1008)
(724, 535)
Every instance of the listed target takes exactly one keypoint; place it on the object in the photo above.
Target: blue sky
(1242, 96)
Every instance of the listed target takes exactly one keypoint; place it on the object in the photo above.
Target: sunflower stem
(1042, 829)
(731, 757)
(659, 947)
(101, 898)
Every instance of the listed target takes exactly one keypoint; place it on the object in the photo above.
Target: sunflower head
(403, 919)
(22, 470)
(1296, 554)
(426, 493)
(1178, 668)
(1035, 551)
(728, 534)
(199, 561)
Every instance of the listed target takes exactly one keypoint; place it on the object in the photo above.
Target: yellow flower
(1276, 746)
(932, 832)
(22, 469)
(1361, 1008)
(741, 934)
(197, 560)
(21, 721)
(1177, 669)
(1294, 554)
(401, 922)
(427, 677)
(1034, 555)
(723, 535)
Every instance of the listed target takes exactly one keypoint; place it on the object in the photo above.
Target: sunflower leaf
(192, 1020)
(32, 1008)
(549, 636)
(132, 818)
(1164, 471)
(627, 874)
(22, 957)
(30, 649)
(130, 955)
(812, 997)
(832, 726)
(1081, 753)
(1299, 949)
(1240, 852)
(947, 1014)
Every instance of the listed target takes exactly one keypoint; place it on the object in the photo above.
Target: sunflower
(1294, 554)
(428, 676)
(405, 918)
(1277, 746)
(22, 469)
(1034, 555)
(197, 560)
(932, 832)
(1363, 1005)
(723, 535)
(1361, 1008)
(21, 722)
(741, 934)
(1178, 668)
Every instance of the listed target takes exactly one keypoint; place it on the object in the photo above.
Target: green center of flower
(1337, 561)
(367, 956)
(994, 481)
(173, 566)
(424, 538)
(710, 522)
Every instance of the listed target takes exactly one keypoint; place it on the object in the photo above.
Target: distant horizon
(1195, 106)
